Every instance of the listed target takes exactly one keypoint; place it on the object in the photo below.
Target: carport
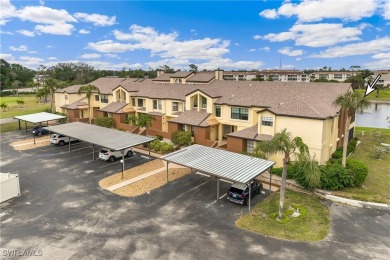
(105, 137)
(223, 165)
(38, 118)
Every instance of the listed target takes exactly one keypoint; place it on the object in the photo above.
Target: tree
(42, 93)
(88, 90)
(193, 68)
(51, 85)
(349, 102)
(132, 120)
(20, 102)
(3, 106)
(15, 85)
(167, 69)
(284, 143)
(263, 149)
(145, 120)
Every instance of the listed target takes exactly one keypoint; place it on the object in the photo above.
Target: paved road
(64, 213)
(7, 120)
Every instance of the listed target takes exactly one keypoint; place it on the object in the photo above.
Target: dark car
(239, 192)
(38, 130)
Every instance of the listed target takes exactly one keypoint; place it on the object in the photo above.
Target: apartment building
(232, 115)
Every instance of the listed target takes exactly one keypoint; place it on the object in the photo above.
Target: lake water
(374, 116)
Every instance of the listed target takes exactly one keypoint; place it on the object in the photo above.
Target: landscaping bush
(358, 170)
(181, 138)
(351, 145)
(159, 137)
(334, 176)
(166, 147)
(155, 145)
(338, 154)
(277, 171)
(104, 121)
(290, 171)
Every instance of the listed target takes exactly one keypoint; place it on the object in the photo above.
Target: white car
(60, 139)
(110, 155)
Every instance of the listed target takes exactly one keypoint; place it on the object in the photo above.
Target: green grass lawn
(30, 106)
(376, 187)
(312, 225)
(384, 94)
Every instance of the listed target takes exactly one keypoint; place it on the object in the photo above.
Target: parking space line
(215, 201)
(194, 188)
(80, 155)
(143, 156)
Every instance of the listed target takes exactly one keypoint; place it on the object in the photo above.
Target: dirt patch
(153, 182)
(28, 144)
(131, 173)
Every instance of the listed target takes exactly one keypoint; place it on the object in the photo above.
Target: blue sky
(230, 35)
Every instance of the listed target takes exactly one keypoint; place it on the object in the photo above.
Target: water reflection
(373, 116)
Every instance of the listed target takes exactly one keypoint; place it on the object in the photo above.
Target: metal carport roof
(220, 163)
(39, 117)
(102, 136)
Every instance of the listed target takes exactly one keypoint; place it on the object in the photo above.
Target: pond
(374, 116)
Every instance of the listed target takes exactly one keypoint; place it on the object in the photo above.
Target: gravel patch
(153, 182)
(28, 144)
(131, 173)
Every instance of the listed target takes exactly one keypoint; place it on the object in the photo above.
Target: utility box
(9, 186)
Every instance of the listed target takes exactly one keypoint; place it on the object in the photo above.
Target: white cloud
(6, 56)
(52, 58)
(57, 29)
(91, 56)
(26, 33)
(252, 50)
(266, 49)
(96, 19)
(289, 52)
(362, 48)
(237, 44)
(84, 31)
(29, 61)
(298, 59)
(386, 10)
(316, 35)
(45, 15)
(5, 32)
(20, 48)
(7, 11)
(378, 64)
(32, 52)
(109, 55)
(382, 56)
(269, 13)
(317, 10)
(257, 37)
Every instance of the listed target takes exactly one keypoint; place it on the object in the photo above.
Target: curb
(355, 203)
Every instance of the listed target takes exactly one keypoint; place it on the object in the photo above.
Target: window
(82, 113)
(140, 102)
(338, 76)
(157, 104)
(250, 146)
(239, 113)
(104, 98)
(175, 106)
(292, 77)
(66, 97)
(192, 130)
(218, 111)
(183, 127)
(268, 121)
(177, 80)
(96, 97)
(133, 102)
(196, 101)
(204, 102)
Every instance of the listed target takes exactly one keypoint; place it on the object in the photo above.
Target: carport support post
(217, 188)
(123, 163)
(167, 171)
(34, 138)
(25, 124)
(270, 179)
(69, 142)
(93, 152)
(19, 124)
(149, 151)
(250, 193)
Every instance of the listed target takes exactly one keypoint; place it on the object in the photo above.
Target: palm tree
(283, 142)
(349, 102)
(145, 120)
(50, 87)
(88, 90)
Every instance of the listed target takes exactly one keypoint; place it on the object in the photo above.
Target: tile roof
(163, 77)
(76, 104)
(202, 77)
(251, 133)
(181, 74)
(113, 107)
(156, 113)
(191, 117)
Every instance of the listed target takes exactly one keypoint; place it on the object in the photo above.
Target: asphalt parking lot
(63, 212)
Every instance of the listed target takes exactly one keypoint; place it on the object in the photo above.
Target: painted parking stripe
(215, 201)
(194, 188)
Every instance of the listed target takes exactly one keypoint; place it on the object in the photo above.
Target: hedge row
(162, 147)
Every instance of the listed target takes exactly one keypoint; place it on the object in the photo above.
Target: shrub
(277, 171)
(104, 121)
(290, 171)
(20, 102)
(334, 176)
(351, 146)
(181, 138)
(159, 137)
(358, 170)
(338, 154)
(166, 147)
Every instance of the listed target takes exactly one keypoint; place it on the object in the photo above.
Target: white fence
(9, 186)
